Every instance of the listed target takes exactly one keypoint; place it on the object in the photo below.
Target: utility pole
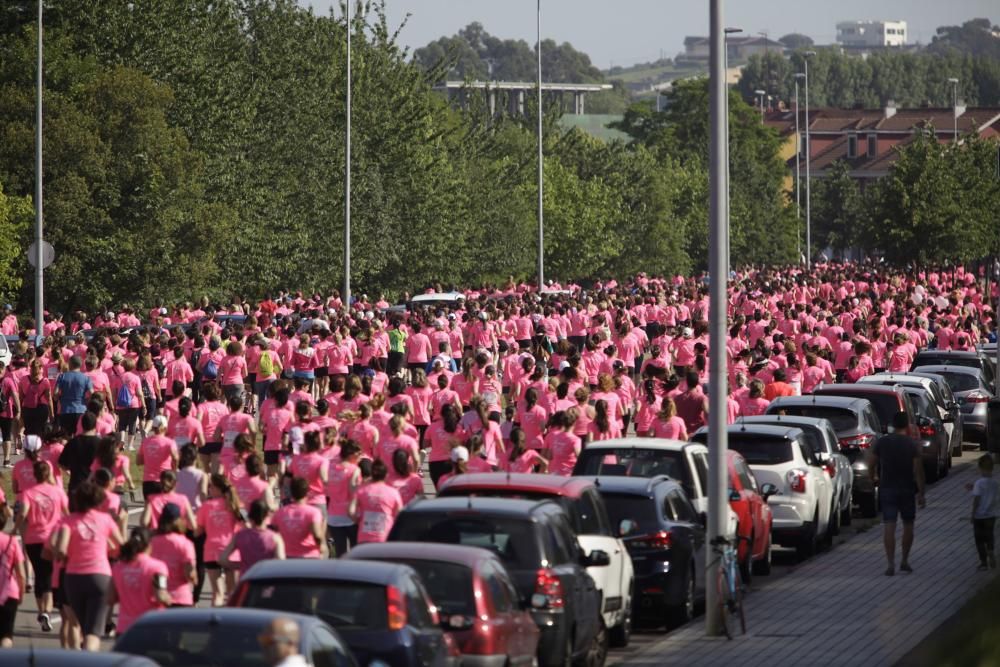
(347, 169)
(541, 161)
(39, 218)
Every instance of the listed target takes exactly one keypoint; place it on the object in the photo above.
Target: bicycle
(730, 586)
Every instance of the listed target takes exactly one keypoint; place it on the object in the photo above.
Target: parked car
(687, 462)
(211, 637)
(826, 445)
(940, 396)
(666, 539)
(476, 599)
(804, 502)
(972, 394)
(749, 500)
(933, 438)
(980, 359)
(381, 610)
(589, 519)
(5, 353)
(857, 427)
(535, 541)
(53, 657)
(886, 401)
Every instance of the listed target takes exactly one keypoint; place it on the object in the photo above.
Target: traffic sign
(48, 254)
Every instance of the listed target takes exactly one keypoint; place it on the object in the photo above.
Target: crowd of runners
(297, 427)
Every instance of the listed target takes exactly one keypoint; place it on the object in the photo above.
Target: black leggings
(982, 530)
(35, 420)
(437, 469)
(8, 614)
(342, 538)
(199, 557)
(88, 597)
(41, 566)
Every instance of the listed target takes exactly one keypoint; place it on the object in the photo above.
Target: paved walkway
(839, 608)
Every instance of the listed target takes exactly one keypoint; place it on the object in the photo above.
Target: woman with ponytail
(219, 518)
(603, 427)
(171, 546)
(650, 403)
(140, 581)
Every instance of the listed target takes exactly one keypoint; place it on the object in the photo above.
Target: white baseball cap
(32, 443)
(159, 421)
(459, 453)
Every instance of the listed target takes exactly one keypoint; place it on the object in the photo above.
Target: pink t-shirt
(175, 551)
(249, 489)
(402, 441)
(339, 493)
(565, 448)
(47, 503)
(442, 441)
(219, 524)
(674, 428)
(524, 463)
(378, 506)
(157, 452)
(533, 424)
(276, 422)
(233, 369)
(209, 413)
(134, 583)
(160, 500)
(408, 486)
(89, 540)
(295, 523)
(309, 467)
(10, 556)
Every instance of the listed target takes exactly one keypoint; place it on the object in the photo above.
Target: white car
(805, 502)
(589, 519)
(687, 462)
(5, 353)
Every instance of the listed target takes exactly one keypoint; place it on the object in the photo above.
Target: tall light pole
(347, 168)
(761, 94)
(954, 108)
(39, 265)
(718, 507)
(541, 160)
(798, 172)
(728, 32)
(807, 55)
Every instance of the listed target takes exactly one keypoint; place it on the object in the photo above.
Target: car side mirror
(627, 527)
(734, 495)
(948, 419)
(596, 558)
(768, 490)
(923, 421)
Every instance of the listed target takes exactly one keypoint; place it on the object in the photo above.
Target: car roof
(898, 378)
(846, 402)
(208, 616)
(642, 443)
(437, 296)
(961, 354)
(796, 421)
(640, 486)
(479, 505)
(370, 572)
(433, 551)
(53, 657)
(554, 485)
(863, 388)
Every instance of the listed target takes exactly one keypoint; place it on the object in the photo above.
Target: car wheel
(868, 505)
(931, 471)
(847, 516)
(763, 566)
(597, 653)
(683, 611)
(809, 539)
(746, 565)
(621, 634)
(832, 528)
(566, 659)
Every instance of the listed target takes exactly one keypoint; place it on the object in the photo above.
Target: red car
(749, 501)
(474, 596)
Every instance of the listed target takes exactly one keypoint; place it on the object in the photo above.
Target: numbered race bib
(228, 438)
(374, 522)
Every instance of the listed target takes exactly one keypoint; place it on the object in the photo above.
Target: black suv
(537, 545)
(666, 540)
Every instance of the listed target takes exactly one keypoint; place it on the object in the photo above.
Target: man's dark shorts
(898, 504)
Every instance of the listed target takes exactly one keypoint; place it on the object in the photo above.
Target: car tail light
(658, 540)
(796, 480)
(831, 468)
(863, 441)
(548, 591)
(928, 431)
(395, 608)
(977, 397)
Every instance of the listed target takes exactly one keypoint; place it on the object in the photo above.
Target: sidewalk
(839, 608)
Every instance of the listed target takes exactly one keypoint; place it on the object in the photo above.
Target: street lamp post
(760, 94)
(39, 265)
(798, 172)
(347, 168)
(717, 437)
(805, 60)
(541, 158)
(954, 108)
(727, 32)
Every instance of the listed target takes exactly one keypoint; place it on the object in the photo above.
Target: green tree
(16, 214)
(839, 210)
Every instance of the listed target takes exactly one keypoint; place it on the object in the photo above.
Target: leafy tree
(839, 210)
(976, 38)
(796, 40)
(16, 215)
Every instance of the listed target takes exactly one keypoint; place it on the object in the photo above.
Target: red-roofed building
(866, 138)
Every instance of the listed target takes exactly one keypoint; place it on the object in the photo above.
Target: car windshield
(630, 462)
(762, 451)
(886, 403)
(961, 381)
(641, 510)
(931, 360)
(841, 418)
(513, 540)
(449, 584)
(195, 646)
(346, 605)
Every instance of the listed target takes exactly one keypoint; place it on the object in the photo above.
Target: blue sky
(622, 32)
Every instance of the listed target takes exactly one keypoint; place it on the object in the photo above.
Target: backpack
(211, 369)
(147, 393)
(266, 364)
(123, 400)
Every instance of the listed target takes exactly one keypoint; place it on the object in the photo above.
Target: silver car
(972, 393)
